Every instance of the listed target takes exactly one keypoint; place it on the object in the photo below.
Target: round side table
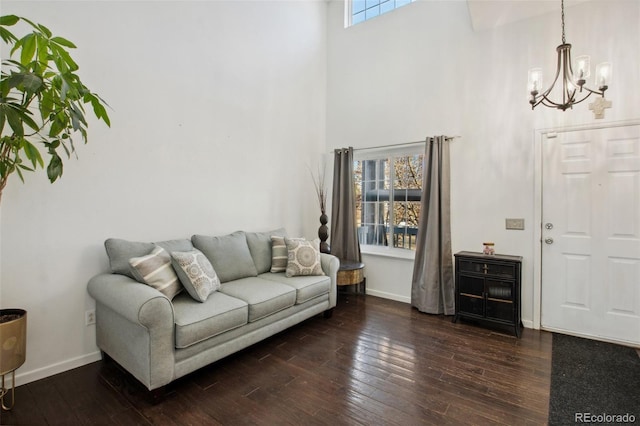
(352, 273)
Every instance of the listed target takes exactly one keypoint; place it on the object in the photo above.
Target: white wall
(218, 108)
(421, 71)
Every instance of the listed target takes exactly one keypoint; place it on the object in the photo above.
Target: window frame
(348, 11)
(381, 154)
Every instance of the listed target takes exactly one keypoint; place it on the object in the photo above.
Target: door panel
(591, 249)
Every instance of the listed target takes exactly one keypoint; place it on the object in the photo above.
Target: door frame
(539, 135)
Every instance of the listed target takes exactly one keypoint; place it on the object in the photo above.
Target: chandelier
(573, 89)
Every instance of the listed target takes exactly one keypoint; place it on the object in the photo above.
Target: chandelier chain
(562, 7)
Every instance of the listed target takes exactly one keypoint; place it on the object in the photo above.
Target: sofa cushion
(260, 247)
(120, 251)
(196, 322)
(155, 270)
(196, 273)
(263, 296)
(303, 257)
(229, 255)
(307, 287)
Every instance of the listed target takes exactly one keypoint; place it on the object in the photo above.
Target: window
(388, 189)
(361, 10)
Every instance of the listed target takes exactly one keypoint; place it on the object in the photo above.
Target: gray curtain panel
(432, 288)
(344, 233)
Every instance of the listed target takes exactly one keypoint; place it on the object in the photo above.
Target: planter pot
(13, 348)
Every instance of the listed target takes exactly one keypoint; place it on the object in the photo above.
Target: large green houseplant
(41, 102)
(41, 109)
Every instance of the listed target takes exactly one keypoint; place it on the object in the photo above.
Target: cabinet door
(500, 300)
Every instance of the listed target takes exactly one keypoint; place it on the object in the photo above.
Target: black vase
(323, 233)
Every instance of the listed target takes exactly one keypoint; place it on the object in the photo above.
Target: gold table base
(4, 391)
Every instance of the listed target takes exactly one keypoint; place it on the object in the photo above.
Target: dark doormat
(593, 382)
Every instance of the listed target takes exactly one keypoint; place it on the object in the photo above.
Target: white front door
(591, 233)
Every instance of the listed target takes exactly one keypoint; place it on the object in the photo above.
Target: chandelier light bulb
(535, 80)
(583, 67)
(603, 75)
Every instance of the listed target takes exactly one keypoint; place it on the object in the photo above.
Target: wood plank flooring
(375, 362)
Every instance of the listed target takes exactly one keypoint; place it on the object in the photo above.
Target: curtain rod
(399, 145)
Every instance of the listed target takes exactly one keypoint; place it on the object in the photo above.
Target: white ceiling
(486, 14)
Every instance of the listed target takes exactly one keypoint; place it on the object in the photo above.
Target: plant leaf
(44, 30)
(28, 49)
(6, 35)
(63, 42)
(13, 117)
(54, 169)
(9, 20)
(32, 153)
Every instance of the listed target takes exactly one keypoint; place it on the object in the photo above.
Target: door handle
(549, 240)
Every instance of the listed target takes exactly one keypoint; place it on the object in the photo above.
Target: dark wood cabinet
(488, 289)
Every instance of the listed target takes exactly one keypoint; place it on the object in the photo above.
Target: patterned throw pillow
(279, 254)
(156, 271)
(196, 273)
(303, 257)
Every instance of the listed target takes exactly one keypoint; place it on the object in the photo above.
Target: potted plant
(42, 108)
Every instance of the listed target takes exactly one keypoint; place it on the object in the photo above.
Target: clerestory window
(388, 187)
(361, 10)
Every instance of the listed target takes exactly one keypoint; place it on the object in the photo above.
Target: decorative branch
(320, 184)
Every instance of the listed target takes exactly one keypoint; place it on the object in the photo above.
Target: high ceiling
(486, 14)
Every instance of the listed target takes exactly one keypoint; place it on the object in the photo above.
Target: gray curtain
(432, 288)
(344, 234)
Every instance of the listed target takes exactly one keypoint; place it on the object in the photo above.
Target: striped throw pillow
(156, 271)
(279, 254)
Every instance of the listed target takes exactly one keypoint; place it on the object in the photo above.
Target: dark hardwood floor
(374, 362)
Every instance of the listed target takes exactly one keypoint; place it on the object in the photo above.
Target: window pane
(386, 6)
(372, 12)
(357, 6)
(372, 3)
(358, 18)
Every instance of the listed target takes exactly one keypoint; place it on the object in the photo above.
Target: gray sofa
(159, 338)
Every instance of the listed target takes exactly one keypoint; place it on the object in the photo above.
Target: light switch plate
(511, 223)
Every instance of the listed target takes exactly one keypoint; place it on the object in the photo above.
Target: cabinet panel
(472, 305)
(472, 285)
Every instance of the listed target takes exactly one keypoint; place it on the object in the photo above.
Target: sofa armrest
(135, 326)
(137, 303)
(330, 265)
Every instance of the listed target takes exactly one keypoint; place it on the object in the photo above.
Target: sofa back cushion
(120, 251)
(260, 247)
(229, 255)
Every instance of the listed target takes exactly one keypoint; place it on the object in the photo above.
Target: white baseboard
(391, 296)
(23, 378)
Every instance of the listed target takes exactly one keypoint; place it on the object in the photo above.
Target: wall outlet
(514, 224)
(90, 317)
